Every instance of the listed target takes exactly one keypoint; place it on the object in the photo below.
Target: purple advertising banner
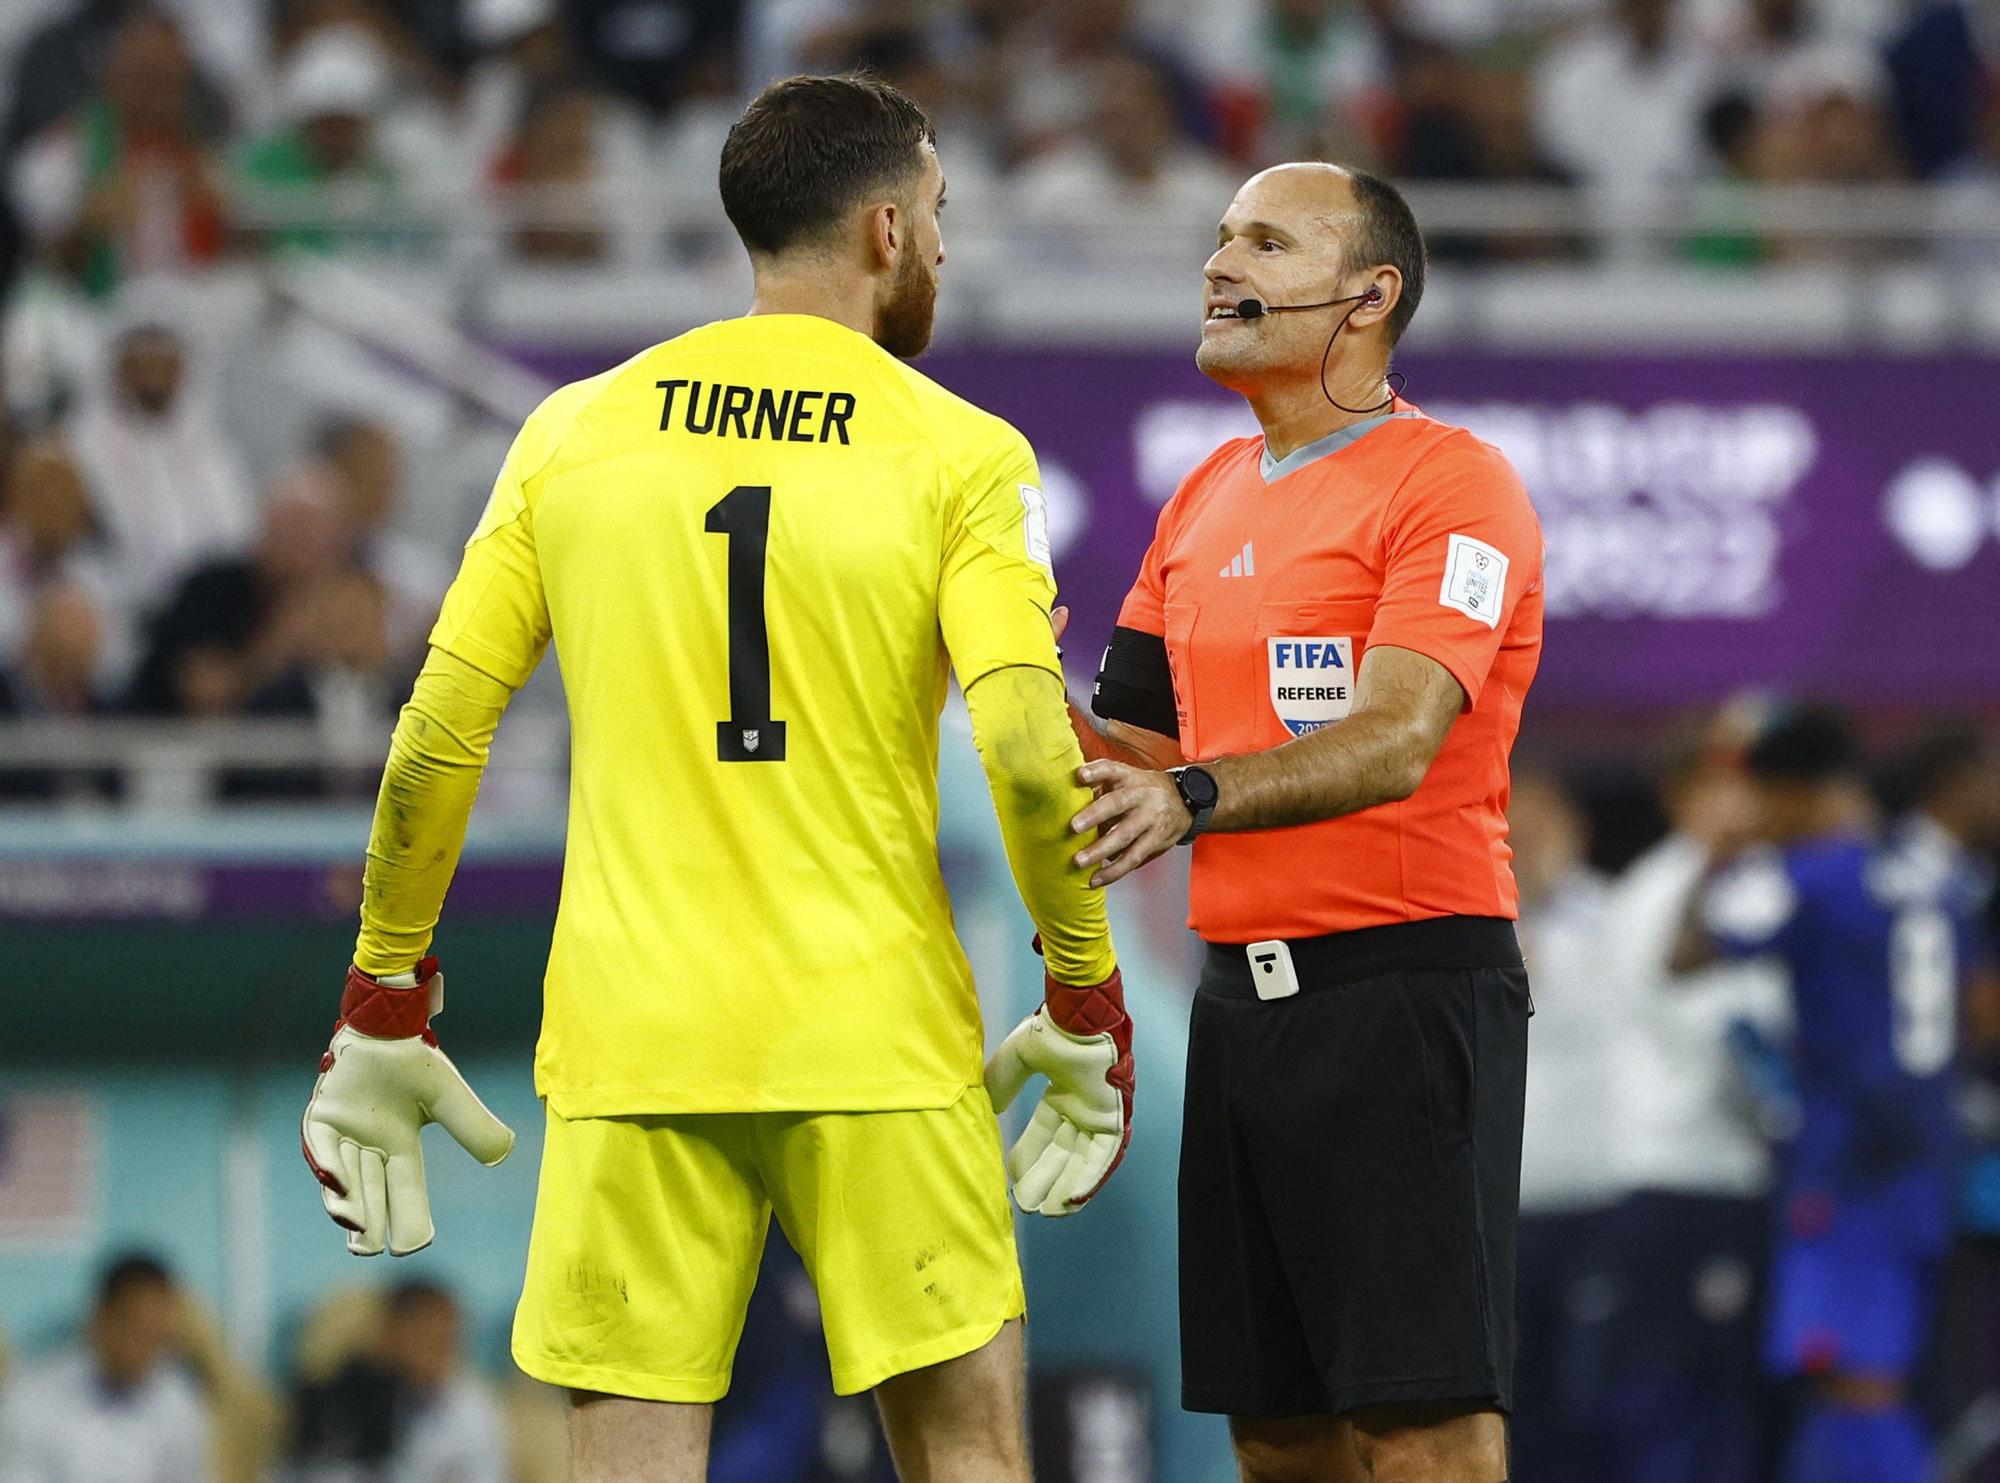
(1825, 525)
(102, 888)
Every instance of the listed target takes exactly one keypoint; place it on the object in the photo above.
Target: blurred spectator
(128, 182)
(364, 463)
(519, 47)
(167, 485)
(1132, 162)
(1618, 106)
(1723, 239)
(942, 63)
(404, 1408)
(1569, 1177)
(1762, 37)
(1509, 151)
(650, 51)
(247, 1415)
(1950, 779)
(1441, 128)
(578, 204)
(1316, 79)
(242, 633)
(1462, 121)
(1950, 786)
(325, 160)
(1825, 121)
(1939, 78)
(1056, 69)
(528, 115)
(1970, 202)
(1685, 1397)
(118, 1406)
(58, 637)
(60, 64)
(56, 670)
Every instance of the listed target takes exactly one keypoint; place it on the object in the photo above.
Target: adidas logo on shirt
(1242, 564)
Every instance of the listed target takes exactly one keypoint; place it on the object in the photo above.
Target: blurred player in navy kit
(1570, 1130)
(1876, 934)
(1686, 1398)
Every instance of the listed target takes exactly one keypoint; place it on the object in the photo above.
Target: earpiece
(1373, 296)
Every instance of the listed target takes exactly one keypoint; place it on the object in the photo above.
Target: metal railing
(1895, 213)
(177, 766)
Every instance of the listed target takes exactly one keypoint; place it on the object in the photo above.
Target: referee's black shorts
(1350, 1173)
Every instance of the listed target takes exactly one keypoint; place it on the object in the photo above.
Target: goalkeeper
(758, 547)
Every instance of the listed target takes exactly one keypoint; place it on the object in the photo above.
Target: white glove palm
(362, 1134)
(1078, 1131)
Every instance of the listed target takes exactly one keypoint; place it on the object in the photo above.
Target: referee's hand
(1138, 816)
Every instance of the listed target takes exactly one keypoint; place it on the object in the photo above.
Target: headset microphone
(1258, 309)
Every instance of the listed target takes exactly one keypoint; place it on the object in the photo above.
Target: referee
(1316, 680)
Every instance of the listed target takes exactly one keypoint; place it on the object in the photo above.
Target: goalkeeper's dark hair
(128, 1272)
(1804, 743)
(810, 149)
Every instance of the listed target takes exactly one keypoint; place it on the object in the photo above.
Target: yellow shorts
(649, 1231)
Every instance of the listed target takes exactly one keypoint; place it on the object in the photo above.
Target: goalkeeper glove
(380, 1081)
(1081, 1040)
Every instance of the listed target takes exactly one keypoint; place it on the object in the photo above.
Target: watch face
(1198, 787)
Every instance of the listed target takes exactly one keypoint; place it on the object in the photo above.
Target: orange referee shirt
(1270, 580)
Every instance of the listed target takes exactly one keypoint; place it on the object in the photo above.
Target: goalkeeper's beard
(903, 320)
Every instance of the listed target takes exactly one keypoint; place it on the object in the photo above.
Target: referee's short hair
(1388, 234)
(808, 150)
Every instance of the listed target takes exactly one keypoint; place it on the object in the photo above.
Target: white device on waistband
(1271, 969)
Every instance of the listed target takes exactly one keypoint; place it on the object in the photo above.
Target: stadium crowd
(380, 1387)
(172, 544)
(154, 136)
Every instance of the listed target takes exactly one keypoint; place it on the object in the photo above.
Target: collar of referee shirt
(1274, 469)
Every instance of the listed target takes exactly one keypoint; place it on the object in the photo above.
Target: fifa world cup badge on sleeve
(1475, 579)
(1312, 681)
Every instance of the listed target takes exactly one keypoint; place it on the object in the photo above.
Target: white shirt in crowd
(1682, 1121)
(456, 1436)
(1078, 184)
(1621, 121)
(459, 1436)
(1568, 1162)
(171, 491)
(59, 1423)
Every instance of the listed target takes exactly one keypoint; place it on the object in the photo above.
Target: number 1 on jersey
(749, 735)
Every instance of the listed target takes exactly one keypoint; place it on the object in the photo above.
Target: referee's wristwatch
(1196, 786)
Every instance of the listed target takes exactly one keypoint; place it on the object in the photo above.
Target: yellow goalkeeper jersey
(757, 547)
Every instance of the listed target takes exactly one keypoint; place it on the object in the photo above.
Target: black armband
(1135, 684)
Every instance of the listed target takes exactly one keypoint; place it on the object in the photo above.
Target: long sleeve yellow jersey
(758, 549)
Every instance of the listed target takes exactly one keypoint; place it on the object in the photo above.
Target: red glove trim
(1091, 1009)
(375, 1009)
(1099, 1009)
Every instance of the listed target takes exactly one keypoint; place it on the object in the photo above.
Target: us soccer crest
(1312, 681)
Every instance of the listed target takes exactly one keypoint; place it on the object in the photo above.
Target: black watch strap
(1199, 795)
